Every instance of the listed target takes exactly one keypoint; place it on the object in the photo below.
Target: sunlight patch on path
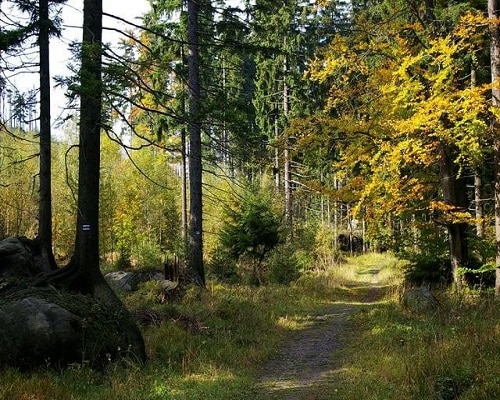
(308, 358)
(311, 357)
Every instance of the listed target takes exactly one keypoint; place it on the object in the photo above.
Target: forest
(242, 148)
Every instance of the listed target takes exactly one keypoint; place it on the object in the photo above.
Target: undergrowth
(449, 354)
(210, 344)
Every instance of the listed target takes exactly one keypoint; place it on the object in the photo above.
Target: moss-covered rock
(42, 326)
(419, 300)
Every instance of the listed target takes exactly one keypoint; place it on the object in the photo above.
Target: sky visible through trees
(60, 55)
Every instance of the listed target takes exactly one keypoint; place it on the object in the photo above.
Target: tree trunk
(479, 209)
(286, 161)
(196, 269)
(87, 238)
(454, 195)
(184, 192)
(494, 15)
(277, 179)
(83, 273)
(478, 182)
(45, 195)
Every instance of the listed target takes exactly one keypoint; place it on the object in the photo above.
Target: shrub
(434, 271)
(148, 256)
(283, 265)
(252, 230)
(223, 266)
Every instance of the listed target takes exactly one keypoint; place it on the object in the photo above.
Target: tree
(11, 39)
(18, 165)
(195, 163)
(404, 118)
(83, 273)
(287, 33)
(43, 26)
(45, 203)
(251, 229)
(494, 15)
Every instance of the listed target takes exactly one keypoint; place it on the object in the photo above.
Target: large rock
(129, 281)
(42, 326)
(16, 258)
(121, 280)
(34, 330)
(419, 300)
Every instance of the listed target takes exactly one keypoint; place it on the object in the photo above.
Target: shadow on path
(310, 358)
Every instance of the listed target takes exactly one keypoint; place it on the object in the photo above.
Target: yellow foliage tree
(409, 118)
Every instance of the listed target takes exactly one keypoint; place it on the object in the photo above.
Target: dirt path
(305, 367)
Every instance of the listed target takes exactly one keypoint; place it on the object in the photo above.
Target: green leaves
(252, 227)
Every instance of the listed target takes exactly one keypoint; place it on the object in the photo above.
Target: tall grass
(210, 344)
(452, 353)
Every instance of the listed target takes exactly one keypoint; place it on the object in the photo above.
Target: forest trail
(306, 366)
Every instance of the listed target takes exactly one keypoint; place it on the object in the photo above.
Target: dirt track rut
(310, 358)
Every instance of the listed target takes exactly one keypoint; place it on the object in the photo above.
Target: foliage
(252, 229)
(418, 107)
(18, 187)
(282, 265)
(404, 103)
(429, 271)
(324, 245)
(139, 219)
(145, 221)
(223, 266)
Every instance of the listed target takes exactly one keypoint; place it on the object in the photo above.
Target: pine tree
(494, 15)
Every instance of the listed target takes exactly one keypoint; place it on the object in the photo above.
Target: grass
(450, 354)
(210, 344)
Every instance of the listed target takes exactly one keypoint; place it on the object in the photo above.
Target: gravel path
(310, 358)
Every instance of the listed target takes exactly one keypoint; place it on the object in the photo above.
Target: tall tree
(494, 15)
(167, 68)
(195, 160)
(83, 272)
(43, 27)
(287, 33)
(45, 201)
(87, 238)
(423, 56)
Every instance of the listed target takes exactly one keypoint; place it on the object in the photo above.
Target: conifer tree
(494, 15)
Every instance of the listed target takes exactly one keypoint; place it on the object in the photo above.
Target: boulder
(35, 330)
(419, 300)
(43, 326)
(16, 258)
(121, 280)
(128, 281)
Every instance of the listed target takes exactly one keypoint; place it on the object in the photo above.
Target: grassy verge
(450, 354)
(209, 345)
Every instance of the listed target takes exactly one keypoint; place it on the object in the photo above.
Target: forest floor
(305, 367)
